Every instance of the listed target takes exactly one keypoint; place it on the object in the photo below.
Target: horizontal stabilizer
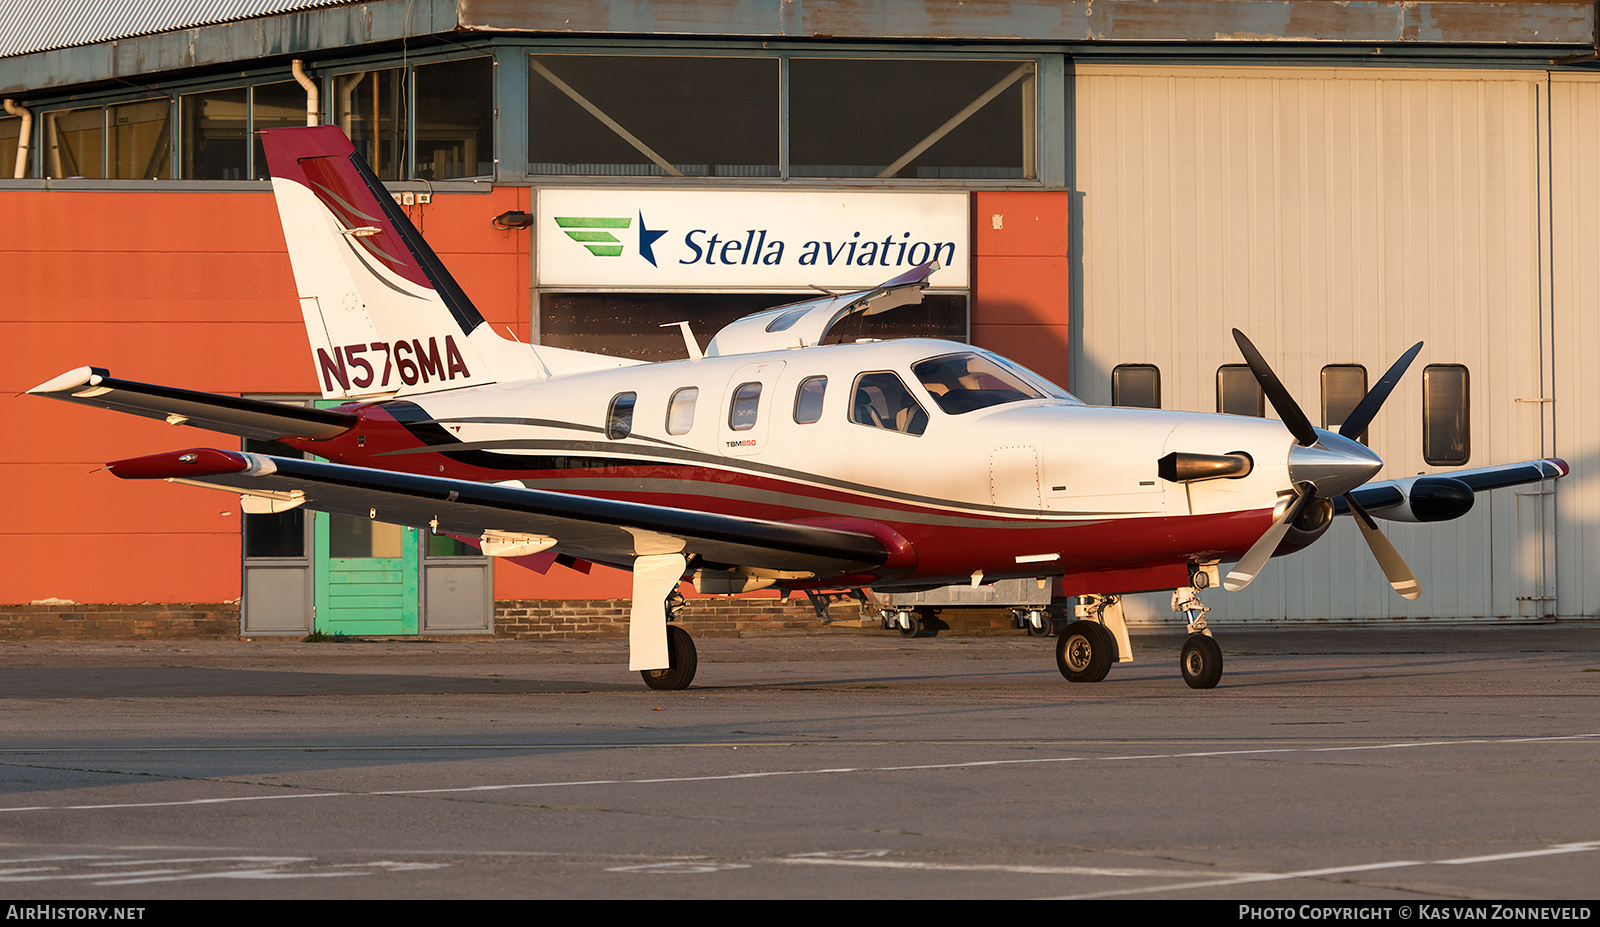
(247, 418)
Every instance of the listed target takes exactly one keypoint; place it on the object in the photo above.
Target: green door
(366, 573)
(366, 576)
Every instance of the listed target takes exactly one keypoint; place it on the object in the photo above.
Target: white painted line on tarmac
(725, 777)
(1556, 850)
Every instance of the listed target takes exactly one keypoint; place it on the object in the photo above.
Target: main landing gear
(1088, 646)
(680, 672)
(681, 655)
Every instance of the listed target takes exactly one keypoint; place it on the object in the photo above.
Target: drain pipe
(15, 109)
(313, 97)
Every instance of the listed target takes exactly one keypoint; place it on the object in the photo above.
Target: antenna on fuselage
(688, 339)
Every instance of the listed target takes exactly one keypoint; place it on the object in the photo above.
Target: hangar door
(1336, 216)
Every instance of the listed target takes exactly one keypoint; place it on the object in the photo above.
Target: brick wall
(119, 622)
(533, 619)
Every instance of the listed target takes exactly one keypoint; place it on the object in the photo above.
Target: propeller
(1324, 464)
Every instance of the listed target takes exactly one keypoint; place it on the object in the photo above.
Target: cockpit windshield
(969, 381)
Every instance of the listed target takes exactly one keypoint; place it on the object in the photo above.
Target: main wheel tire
(681, 662)
(1085, 651)
(1201, 662)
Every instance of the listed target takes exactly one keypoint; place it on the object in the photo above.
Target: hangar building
(1114, 186)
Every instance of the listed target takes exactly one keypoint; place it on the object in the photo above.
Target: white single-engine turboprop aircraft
(772, 460)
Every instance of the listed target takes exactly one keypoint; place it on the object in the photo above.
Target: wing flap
(234, 415)
(601, 530)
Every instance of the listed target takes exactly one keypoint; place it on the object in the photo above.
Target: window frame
(734, 406)
(1430, 454)
(673, 404)
(1038, 162)
(1115, 385)
(619, 420)
(822, 398)
(1261, 395)
(912, 428)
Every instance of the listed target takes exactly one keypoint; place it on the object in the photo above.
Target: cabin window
(966, 382)
(680, 410)
(1343, 388)
(1446, 418)
(1136, 386)
(619, 419)
(746, 401)
(808, 400)
(1238, 393)
(880, 400)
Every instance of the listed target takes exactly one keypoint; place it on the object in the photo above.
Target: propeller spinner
(1324, 464)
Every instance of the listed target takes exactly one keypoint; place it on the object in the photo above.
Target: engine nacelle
(1422, 498)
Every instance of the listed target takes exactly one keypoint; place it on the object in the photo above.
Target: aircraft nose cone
(1334, 465)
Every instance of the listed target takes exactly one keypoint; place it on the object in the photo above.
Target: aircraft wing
(247, 418)
(1442, 496)
(601, 530)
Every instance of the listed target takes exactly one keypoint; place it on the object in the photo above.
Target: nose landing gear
(1201, 658)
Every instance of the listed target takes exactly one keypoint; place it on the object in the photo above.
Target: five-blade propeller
(1325, 464)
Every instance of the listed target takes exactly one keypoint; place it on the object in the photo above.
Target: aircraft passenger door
(747, 409)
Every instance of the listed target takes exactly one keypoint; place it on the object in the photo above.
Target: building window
(455, 119)
(630, 115)
(1238, 393)
(280, 105)
(619, 417)
(73, 142)
(640, 115)
(746, 403)
(1343, 388)
(216, 132)
(1446, 415)
(1136, 386)
(680, 411)
(139, 140)
(10, 139)
(274, 534)
(910, 118)
(370, 107)
(808, 400)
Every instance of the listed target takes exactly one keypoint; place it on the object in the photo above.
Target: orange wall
(193, 289)
(1020, 280)
(188, 289)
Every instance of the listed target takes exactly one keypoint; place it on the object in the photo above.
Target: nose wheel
(1201, 658)
(1201, 662)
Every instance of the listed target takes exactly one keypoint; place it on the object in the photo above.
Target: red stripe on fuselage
(949, 542)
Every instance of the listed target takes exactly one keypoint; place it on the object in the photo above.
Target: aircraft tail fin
(383, 315)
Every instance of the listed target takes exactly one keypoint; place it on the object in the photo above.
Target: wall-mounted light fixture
(513, 219)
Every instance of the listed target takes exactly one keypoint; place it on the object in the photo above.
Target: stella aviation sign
(743, 240)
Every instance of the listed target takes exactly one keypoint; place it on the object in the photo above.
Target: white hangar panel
(1575, 295)
(1336, 216)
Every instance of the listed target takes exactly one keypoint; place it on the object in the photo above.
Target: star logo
(647, 241)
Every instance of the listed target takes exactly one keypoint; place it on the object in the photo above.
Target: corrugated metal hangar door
(1337, 216)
